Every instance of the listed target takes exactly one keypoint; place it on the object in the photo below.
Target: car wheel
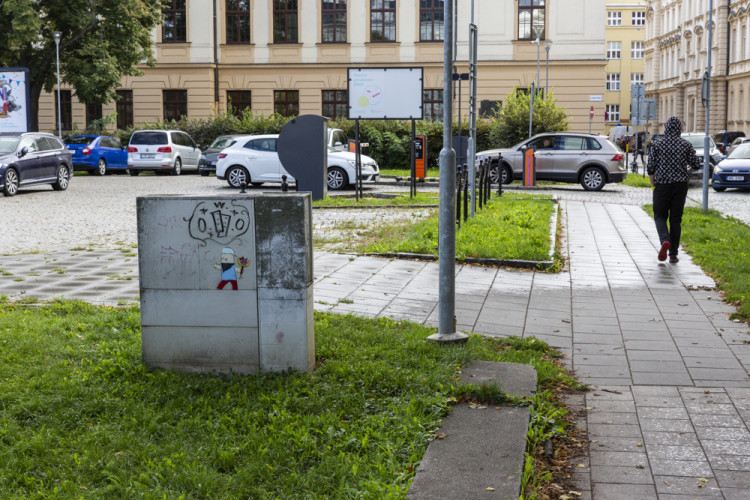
(236, 175)
(204, 174)
(592, 179)
(134, 172)
(177, 169)
(257, 184)
(101, 167)
(11, 182)
(507, 174)
(336, 178)
(63, 178)
(719, 189)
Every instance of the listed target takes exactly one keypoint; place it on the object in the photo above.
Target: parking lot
(99, 212)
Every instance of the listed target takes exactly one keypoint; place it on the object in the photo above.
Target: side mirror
(24, 151)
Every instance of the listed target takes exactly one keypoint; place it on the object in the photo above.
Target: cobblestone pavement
(668, 414)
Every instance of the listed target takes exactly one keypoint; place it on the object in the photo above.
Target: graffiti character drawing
(229, 267)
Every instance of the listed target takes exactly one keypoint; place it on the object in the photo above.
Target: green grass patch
(81, 417)
(637, 180)
(393, 199)
(405, 172)
(721, 246)
(507, 228)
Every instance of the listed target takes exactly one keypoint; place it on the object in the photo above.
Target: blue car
(734, 171)
(31, 159)
(97, 153)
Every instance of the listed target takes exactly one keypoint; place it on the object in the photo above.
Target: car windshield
(149, 138)
(222, 142)
(79, 140)
(741, 153)
(8, 144)
(697, 140)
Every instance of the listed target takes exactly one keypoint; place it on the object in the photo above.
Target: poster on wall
(15, 112)
(385, 93)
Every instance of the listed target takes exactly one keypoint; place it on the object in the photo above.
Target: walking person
(668, 164)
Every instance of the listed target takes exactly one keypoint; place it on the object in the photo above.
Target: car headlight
(717, 168)
(482, 157)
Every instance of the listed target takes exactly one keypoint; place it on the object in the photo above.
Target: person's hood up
(673, 127)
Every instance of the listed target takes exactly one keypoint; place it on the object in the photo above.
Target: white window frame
(638, 18)
(636, 78)
(636, 50)
(613, 112)
(614, 18)
(613, 82)
(614, 50)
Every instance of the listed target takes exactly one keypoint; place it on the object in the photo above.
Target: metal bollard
(284, 185)
(459, 180)
(466, 192)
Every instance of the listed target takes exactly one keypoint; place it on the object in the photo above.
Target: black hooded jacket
(671, 156)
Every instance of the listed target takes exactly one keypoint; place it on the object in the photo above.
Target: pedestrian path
(669, 409)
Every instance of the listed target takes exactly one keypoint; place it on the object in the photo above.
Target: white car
(253, 160)
(163, 151)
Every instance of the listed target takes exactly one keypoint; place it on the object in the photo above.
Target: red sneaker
(663, 251)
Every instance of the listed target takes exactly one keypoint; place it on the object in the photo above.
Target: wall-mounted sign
(595, 98)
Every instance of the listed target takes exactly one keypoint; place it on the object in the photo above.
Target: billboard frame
(27, 96)
(350, 106)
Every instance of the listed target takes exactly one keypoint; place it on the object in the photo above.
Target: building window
(613, 112)
(613, 50)
(238, 101)
(286, 102)
(66, 109)
(636, 78)
(638, 18)
(431, 20)
(175, 104)
(382, 20)
(334, 21)
(174, 18)
(124, 108)
(433, 104)
(613, 81)
(238, 21)
(531, 14)
(614, 18)
(285, 21)
(93, 112)
(636, 50)
(335, 104)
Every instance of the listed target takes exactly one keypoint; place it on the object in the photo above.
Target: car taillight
(86, 151)
(165, 149)
(222, 155)
(131, 149)
(617, 157)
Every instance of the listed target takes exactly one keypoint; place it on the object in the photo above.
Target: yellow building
(626, 35)
(291, 57)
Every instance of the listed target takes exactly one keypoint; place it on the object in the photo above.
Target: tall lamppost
(538, 33)
(57, 35)
(547, 45)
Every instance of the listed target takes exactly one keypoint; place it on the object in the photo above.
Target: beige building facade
(291, 57)
(625, 38)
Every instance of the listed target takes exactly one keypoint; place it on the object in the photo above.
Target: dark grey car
(31, 159)
(207, 163)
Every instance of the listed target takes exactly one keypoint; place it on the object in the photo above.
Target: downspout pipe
(216, 60)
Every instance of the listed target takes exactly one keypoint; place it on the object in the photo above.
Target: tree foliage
(512, 121)
(102, 41)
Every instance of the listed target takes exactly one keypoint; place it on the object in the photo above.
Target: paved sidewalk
(669, 413)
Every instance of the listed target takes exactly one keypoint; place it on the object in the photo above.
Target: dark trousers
(669, 203)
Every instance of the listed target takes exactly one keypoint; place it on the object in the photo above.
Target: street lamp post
(547, 45)
(57, 35)
(538, 44)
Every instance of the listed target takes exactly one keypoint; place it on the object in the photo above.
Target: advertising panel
(385, 93)
(15, 112)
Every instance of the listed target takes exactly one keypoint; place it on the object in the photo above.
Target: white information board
(15, 113)
(385, 93)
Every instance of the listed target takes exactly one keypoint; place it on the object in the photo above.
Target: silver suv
(590, 160)
(163, 151)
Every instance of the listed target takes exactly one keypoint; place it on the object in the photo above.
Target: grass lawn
(398, 199)
(81, 417)
(637, 180)
(510, 227)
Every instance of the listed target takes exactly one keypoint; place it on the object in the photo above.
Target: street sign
(637, 90)
(591, 113)
(595, 98)
(705, 86)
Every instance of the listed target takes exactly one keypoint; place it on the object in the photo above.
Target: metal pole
(413, 183)
(531, 109)
(357, 160)
(538, 43)
(473, 35)
(447, 229)
(707, 140)
(57, 35)
(546, 76)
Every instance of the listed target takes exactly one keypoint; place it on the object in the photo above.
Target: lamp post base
(449, 338)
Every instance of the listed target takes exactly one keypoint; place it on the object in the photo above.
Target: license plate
(735, 178)
(148, 155)
(213, 163)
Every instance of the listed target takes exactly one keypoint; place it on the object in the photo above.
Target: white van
(163, 151)
(618, 132)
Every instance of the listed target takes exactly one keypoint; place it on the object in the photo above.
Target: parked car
(163, 151)
(697, 140)
(31, 159)
(97, 153)
(723, 139)
(734, 171)
(735, 143)
(651, 140)
(207, 162)
(591, 160)
(254, 160)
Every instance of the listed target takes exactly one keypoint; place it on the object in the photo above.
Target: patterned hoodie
(671, 156)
